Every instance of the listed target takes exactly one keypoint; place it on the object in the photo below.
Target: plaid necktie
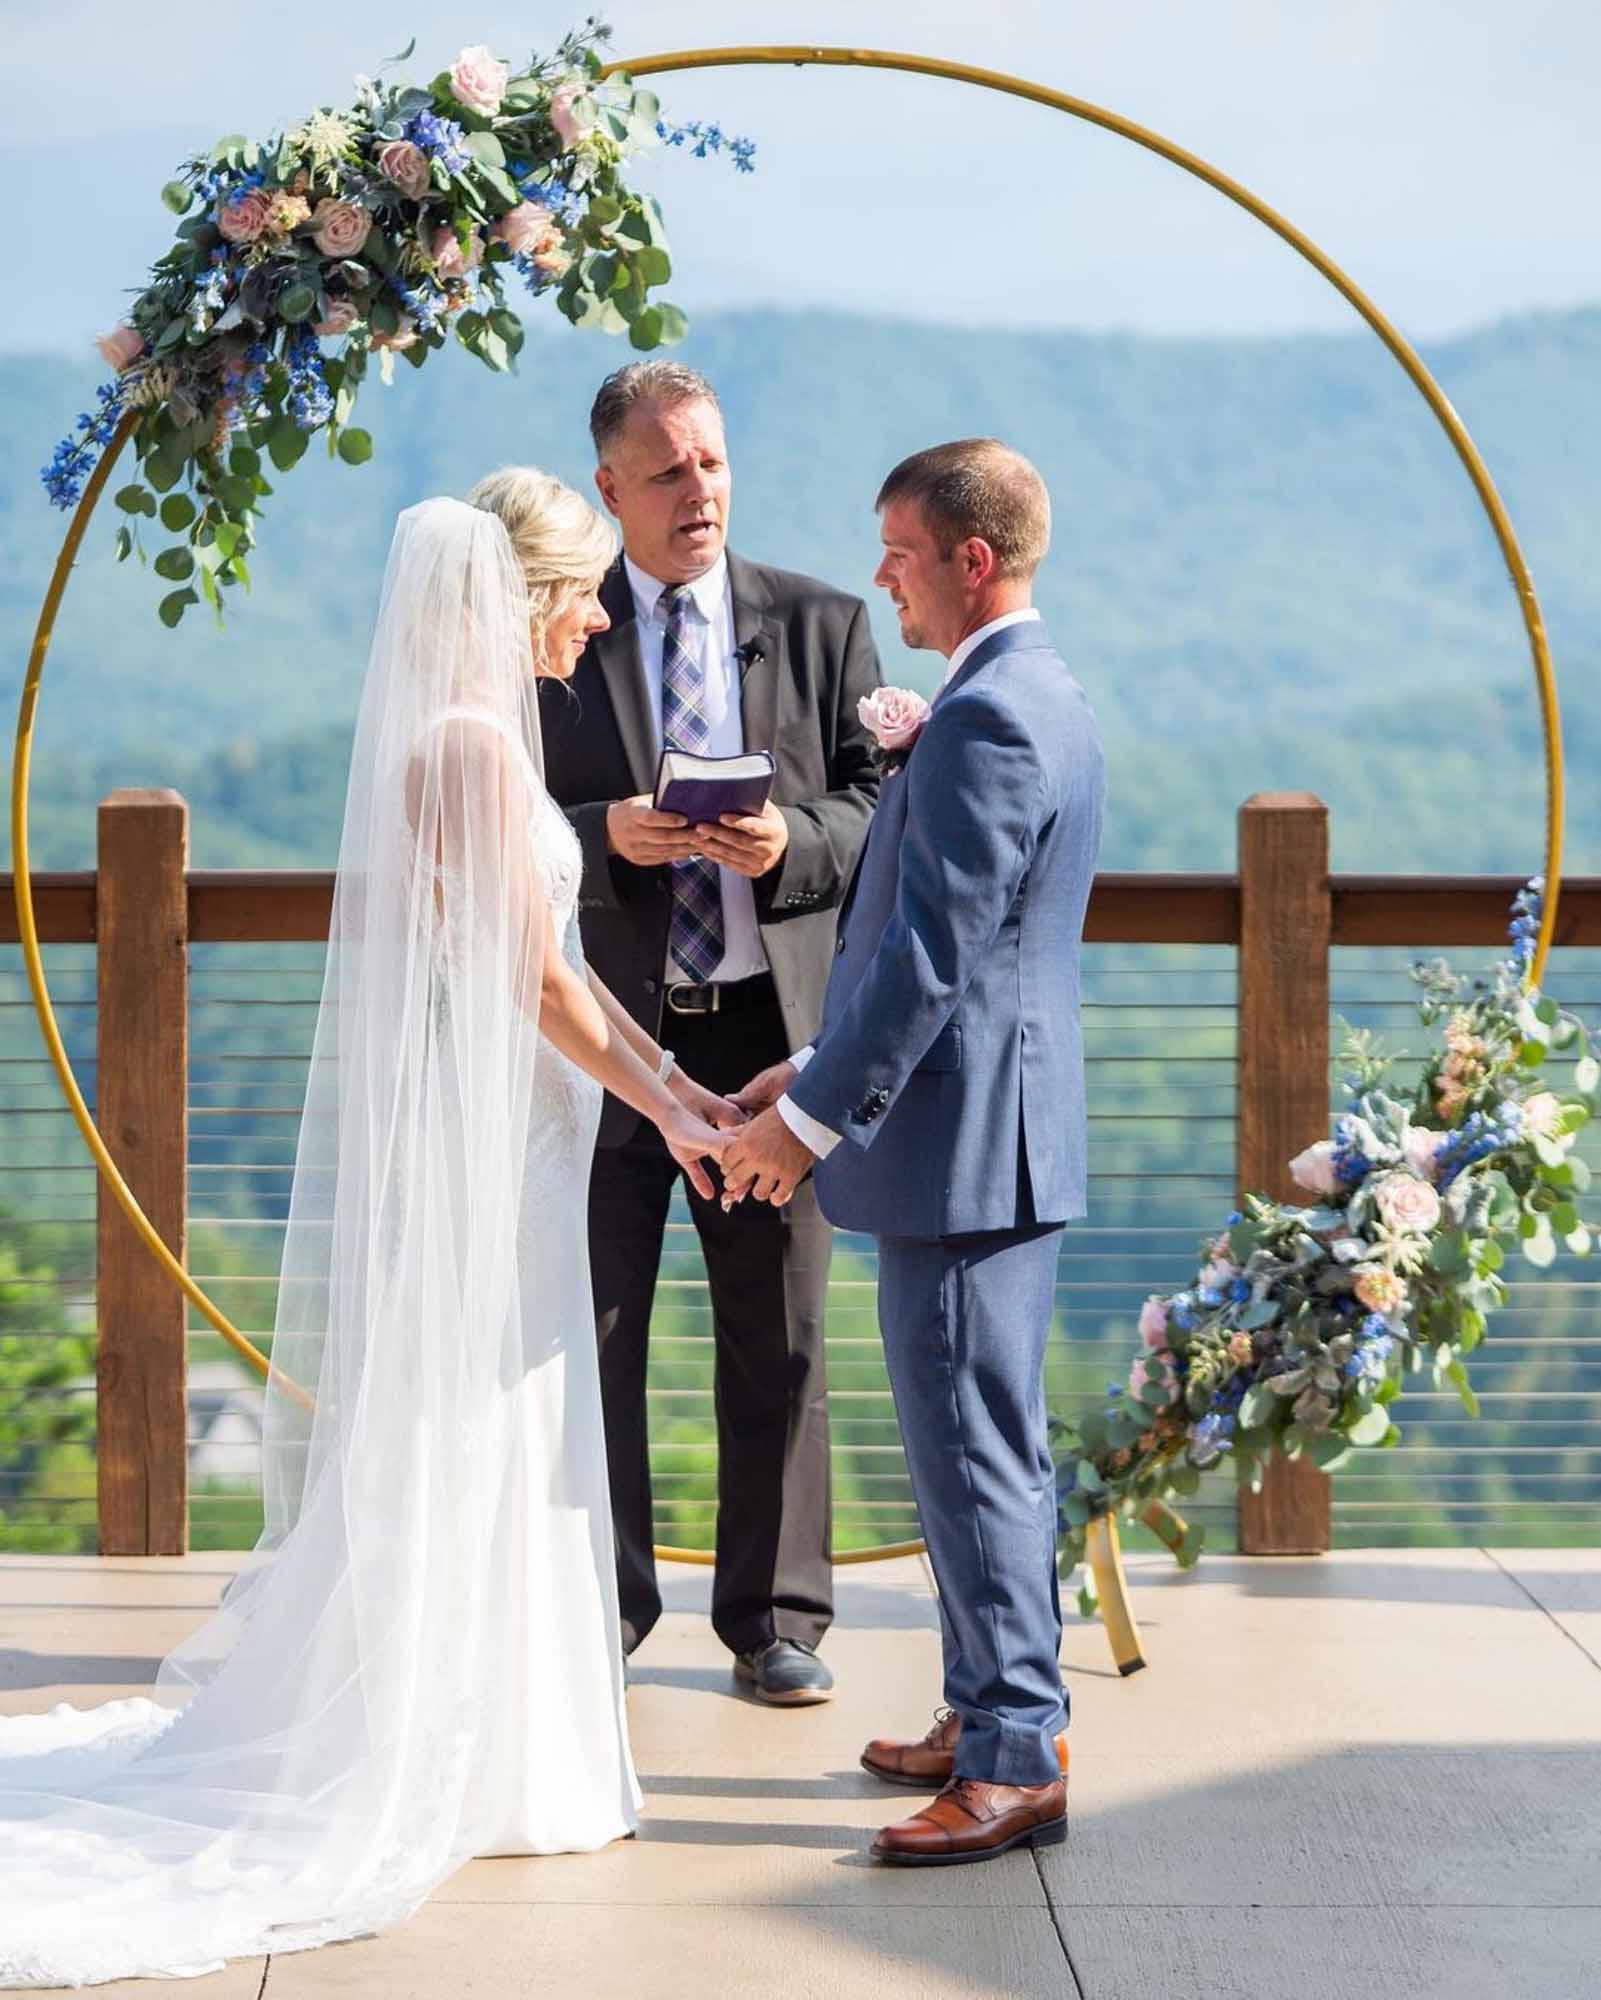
(695, 936)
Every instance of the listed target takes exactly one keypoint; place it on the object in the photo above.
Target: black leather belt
(722, 997)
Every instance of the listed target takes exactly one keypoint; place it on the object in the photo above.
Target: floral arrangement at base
(381, 229)
(1304, 1323)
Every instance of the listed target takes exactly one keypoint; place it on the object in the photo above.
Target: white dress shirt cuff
(817, 1138)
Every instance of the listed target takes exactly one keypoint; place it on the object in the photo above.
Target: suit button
(839, 946)
(650, 986)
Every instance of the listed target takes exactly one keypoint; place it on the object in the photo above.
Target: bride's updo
(563, 544)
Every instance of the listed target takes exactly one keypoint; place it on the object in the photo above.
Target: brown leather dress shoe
(973, 1821)
(927, 1762)
(931, 1760)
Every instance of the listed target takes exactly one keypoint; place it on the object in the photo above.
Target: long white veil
(312, 1785)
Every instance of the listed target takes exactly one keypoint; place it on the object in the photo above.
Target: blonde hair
(563, 544)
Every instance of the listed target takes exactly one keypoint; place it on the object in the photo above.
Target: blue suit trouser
(965, 1321)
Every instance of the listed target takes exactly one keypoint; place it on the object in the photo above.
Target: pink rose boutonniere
(895, 716)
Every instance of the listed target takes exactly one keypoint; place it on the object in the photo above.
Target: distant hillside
(1268, 570)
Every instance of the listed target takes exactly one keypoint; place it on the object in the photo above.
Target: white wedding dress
(421, 1663)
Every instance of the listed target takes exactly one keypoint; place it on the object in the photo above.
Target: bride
(420, 1662)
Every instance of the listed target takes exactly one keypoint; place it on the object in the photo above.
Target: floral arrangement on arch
(385, 227)
(1304, 1322)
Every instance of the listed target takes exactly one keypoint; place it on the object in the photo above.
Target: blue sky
(1446, 151)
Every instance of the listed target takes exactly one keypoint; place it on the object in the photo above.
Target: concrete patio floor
(1371, 1774)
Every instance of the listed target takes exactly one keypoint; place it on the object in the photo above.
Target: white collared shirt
(970, 645)
(818, 1138)
(712, 602)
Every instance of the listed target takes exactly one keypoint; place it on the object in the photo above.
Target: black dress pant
(768, 1273)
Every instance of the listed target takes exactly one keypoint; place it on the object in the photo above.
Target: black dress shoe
(784, 1672)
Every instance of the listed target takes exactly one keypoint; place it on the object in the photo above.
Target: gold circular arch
(800, 56)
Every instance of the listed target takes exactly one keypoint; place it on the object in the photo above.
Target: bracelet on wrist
(664, 1068)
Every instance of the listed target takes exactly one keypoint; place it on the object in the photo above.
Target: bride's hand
(721, 1112)
(690, 1140)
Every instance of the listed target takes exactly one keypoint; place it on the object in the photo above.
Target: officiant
(718, 938)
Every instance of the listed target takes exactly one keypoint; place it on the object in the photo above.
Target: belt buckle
(707, 995)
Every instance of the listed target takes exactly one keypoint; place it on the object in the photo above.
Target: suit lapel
(1027, 636)
(621, 669)
(759, 638)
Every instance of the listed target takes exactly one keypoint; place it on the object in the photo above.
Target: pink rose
(527, 230)
(894, 715)
(404, 336)
(246, 216)
(339, 228)
(1407, 1204)
(562, 116)
(342, 316)
(1314, 1169)
(121, 347)
(1153, 1324)
(478, 80)
(1219, 1274)
(450, 260)
(1420, 1149)
(406, 166)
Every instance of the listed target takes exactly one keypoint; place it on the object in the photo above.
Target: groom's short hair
(643, 382)
(977, 487)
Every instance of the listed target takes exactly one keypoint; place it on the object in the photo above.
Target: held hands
(697, 1128)
(751, 844)
(765, 1158)
(765, 1089)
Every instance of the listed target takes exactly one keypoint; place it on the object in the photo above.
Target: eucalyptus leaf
(175, 564)
(1586, 1075)
(174, 605)
(177, 195)
(131, 499)
(355, 446)
(1540, 1249)
(177, 511)
(1370, 1427)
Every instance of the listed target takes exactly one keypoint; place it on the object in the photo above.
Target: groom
(943, 1108)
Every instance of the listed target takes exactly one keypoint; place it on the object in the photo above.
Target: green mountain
(1267, 568)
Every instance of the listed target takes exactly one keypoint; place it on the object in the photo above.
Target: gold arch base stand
(1103, 1546)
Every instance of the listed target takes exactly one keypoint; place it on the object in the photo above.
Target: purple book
(704, 788)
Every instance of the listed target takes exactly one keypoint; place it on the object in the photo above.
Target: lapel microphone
(748, 654)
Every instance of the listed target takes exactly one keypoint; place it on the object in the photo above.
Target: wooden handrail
(291, 906)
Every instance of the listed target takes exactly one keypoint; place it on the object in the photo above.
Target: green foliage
(46, 1423)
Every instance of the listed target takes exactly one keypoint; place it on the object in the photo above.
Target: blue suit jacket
(950, 1057)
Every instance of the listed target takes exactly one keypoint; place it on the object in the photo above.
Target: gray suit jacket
(798, 699)
(951, 1059)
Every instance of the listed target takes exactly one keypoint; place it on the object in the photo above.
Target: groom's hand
(765, 1089)
(764, 1159)
(752, 844)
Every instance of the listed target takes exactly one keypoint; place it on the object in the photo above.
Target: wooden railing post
(1283, 1106)
(142, 1044)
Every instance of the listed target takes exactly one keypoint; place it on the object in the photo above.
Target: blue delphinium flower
(75, 458)
(1527, 907)
(1475, 1139)
(1209, 1296)
(441, 139)
(704, 140)
(1240, 1291)
(311, 401)
(1181, 1310)
(1350, 1163)
(1210, 1435)
(424, 302)
(1373, 1351)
